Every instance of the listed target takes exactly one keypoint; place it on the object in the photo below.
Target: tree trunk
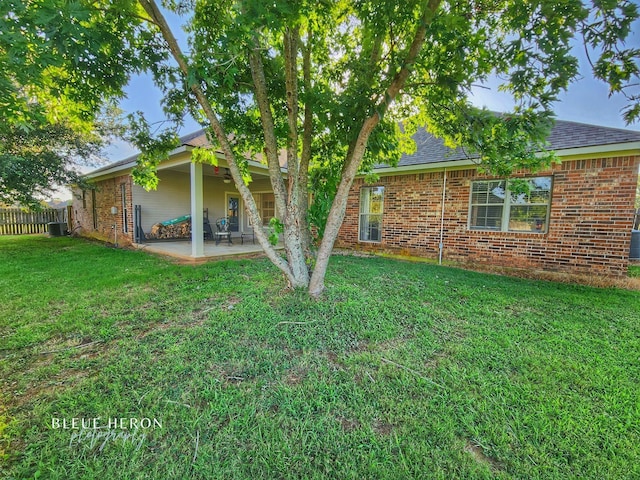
(158, 19)
(294, 224)
(291, 203)
(356, 153)
(339, 206)
(305, 156)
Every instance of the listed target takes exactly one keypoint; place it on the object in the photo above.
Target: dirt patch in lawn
(41, 389)
(295, 376)
(382, 428)
(598, 281)
(348, 424)
(477, 452)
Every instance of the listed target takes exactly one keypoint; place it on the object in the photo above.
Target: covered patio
(191, 203)
(189, 189)
(183, 250)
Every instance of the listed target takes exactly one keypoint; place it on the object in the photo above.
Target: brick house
(577, 218)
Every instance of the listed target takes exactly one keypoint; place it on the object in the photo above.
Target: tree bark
(358, 148)
(339, 206)
(158, 19)
(268, 128)
(294, 224)
(307, 138)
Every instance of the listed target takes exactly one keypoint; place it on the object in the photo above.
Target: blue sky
(586, 101)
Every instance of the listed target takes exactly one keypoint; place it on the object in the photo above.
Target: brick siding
(107, 195)
(592, 209)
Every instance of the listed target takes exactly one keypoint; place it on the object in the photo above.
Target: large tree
(62, 64)
(40, 155)
(340, 85)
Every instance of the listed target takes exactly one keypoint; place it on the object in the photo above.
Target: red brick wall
(107, 195)
(589, 227)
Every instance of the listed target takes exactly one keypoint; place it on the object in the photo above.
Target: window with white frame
(371, 206)
(266, 203)
(496, 206)
(267, 207)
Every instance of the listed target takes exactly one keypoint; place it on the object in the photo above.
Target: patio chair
(222, 231)
(208, 232)
(248, 235)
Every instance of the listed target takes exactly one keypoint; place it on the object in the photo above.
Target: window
(267, 207)
(94, 209)
(125, 212)
(371, 203)
(233, 212)
(494, 206)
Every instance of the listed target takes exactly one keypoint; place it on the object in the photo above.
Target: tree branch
(358, 148)
(307, 138)
(268, 128)
(407, 67)
(154, 12)
(294, 238)
(291, 85)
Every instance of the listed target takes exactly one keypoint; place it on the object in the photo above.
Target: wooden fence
(15, 221)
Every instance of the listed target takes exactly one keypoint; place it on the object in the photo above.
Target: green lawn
(402, 371)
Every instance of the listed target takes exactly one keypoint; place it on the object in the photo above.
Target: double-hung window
(267, 207)
(498, 205)
(371, 204)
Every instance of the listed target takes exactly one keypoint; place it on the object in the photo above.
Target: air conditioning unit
(634, 251)
(57, 229)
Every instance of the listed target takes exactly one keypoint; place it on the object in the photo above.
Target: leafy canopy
(72, 56)
(62, 64)
(36, 161)
(358, 47)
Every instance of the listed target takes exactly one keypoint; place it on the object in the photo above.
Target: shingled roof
(429, 149)
(564, 135)
(194, 139)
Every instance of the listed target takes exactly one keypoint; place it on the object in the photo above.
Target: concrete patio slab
(182, 250)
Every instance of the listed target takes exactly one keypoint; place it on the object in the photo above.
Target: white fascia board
(424, 167)
(601, 151)
(611, 150)
(172, 162)
(222, 160)
(109, 172)
(255, 167)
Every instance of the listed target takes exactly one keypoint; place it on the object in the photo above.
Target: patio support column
(197, 229)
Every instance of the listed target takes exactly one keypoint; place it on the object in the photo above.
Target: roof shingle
(429, 149)
(564, 135)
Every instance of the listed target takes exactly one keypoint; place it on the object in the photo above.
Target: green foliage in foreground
(401, 371)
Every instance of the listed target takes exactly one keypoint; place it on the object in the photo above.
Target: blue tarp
(173, 221)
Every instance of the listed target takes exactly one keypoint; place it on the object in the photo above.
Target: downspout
(444, 189)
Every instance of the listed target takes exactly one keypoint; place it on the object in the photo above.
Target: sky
(586, 101)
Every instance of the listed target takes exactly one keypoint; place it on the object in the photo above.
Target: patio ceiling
(210, 171)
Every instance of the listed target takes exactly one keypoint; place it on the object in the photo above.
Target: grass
(401, 371)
